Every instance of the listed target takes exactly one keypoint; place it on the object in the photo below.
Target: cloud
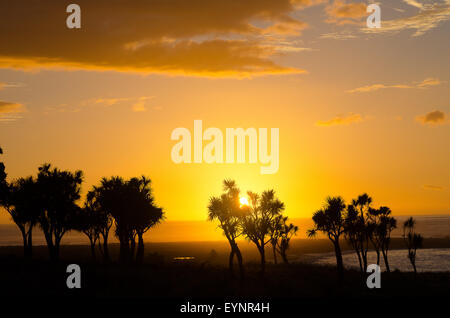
(428, 18)
(414, 3)
(138, 104)
(106, 101)
(435, 117)
(10, 111)
(433, 187)
(10, 85)
(341, 120)
(375, 87)
(197, 37)
(428, 82)
(340, 12)
(338, 36)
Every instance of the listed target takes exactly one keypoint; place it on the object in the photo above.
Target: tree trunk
(50, 246)
(132, 249)
(140, 249)
(284, 256)
(106, 257)
(364, 258)
(124, 249)
(386, 263)
(262, 252)
(274, 249)
(92, 241)
(230, 261)
(25, 243)
(240, 262)
(29, 253)
(378, 256)
(56, 248)
(412, 258)
(358, 253)
(339, 262)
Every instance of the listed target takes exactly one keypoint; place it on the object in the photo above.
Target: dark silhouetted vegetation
(362, 206)
(51, 201)
(127, 208)
(100, 222)
(381, 225)
(412, 239)
(330, 221)
(281, 235)
(3, 183)
(24, 204)
(227, 211)
(131, 205)
(260, 222)
(59, 191)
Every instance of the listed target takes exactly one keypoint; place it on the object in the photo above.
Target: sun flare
(243, 200)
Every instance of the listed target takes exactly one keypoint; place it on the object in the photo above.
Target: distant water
(437, 226)
(427, 260)
(11, 236)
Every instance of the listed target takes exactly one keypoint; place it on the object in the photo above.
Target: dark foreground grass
(42, 279)
(162, 285)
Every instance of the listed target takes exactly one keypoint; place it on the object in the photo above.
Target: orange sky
(358, 110)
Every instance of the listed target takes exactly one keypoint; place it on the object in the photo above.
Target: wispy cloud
(340, 12)
(433, 187)
(428, 18)
(341, 120)
(375, 87)
(435, 117)
(10, 85)
(106, 101)
(428, 82)
(141, 104)
(339, 35)
(10, 111)
(136, 104)
(414, 3)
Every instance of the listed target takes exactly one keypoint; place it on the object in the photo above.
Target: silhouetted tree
(375, 236)
(259, 222)
(24, 204)
(412, 239)
(59, 190)
(227, 211)
(381, 225)
(112, 197)
(282, 237)
(146, 213)
(387, 225)
(275, 235)
(330, 220)
(101, 221)
(3, 184)
(132, 206)
(362, 205)
(89, 223)
(353, 229)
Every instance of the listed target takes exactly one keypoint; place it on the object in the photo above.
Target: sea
(429, 226)
(436, 226)
(427, 260)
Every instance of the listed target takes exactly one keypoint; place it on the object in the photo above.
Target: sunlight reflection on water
(427, 260)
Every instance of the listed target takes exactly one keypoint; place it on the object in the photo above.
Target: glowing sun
(243, 200)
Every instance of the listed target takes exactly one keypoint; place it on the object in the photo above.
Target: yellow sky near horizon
(356, 111)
